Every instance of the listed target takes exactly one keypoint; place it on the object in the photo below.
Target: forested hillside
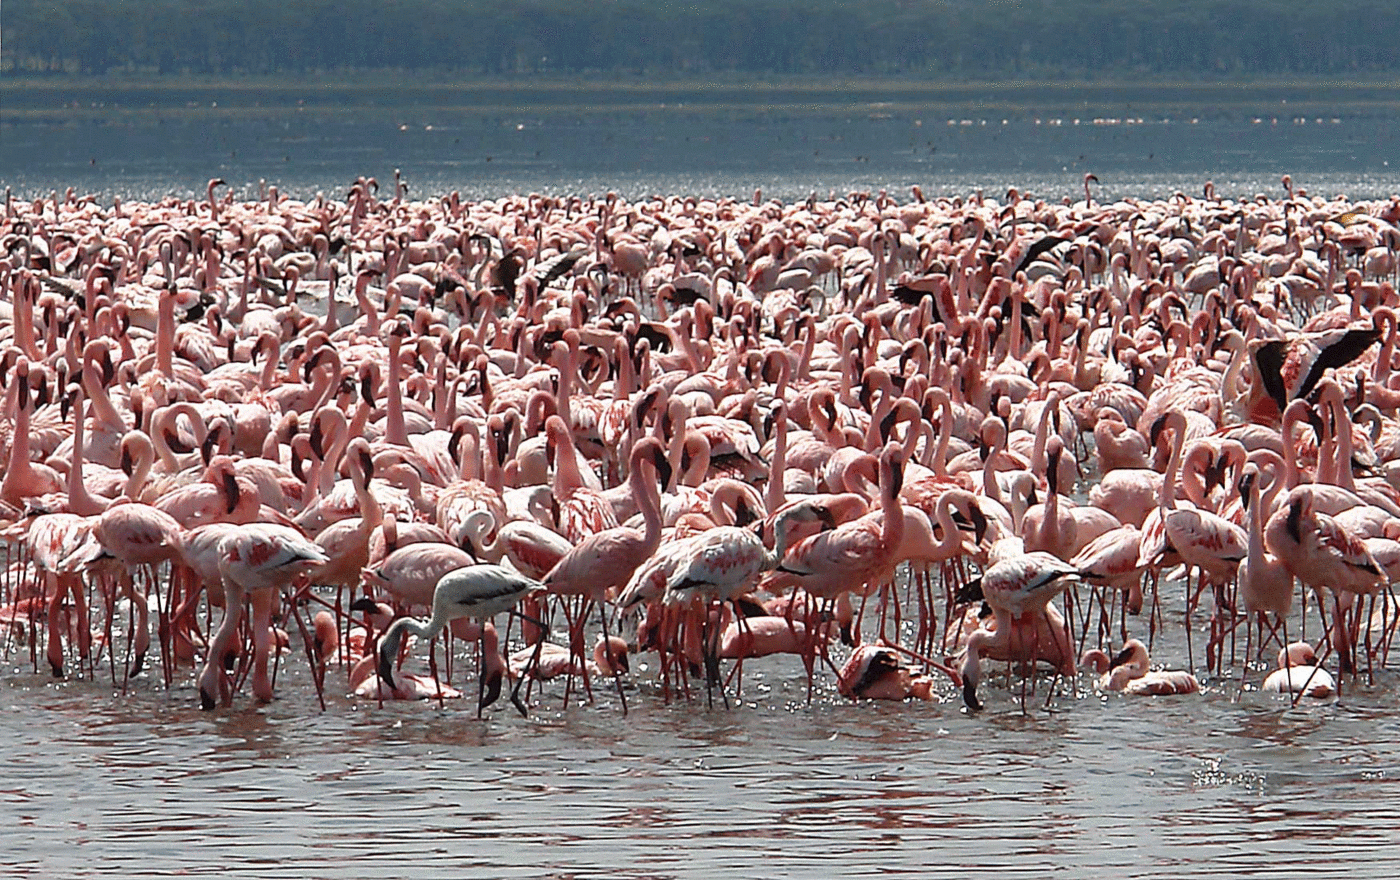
(972, 39)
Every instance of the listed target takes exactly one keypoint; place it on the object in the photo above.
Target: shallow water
(101, 783)
(1220, 783)
(711, 141)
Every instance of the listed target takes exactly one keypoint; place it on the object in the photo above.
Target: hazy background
(954, 39)
(149, 98)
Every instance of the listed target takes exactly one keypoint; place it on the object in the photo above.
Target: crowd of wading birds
(851, 430)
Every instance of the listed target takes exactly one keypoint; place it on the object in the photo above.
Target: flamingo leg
(318, 668)
(617, 673)
(261, 601)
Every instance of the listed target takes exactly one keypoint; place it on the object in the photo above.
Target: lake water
(100, 783)
(489, 140)
(1218, 784)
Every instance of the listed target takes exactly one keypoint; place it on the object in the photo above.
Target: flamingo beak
(1120, 658)
(386, 670)
(231, 490)
(970, 700)
(663, 467)
(492, 691)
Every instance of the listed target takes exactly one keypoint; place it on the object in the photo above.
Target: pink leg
(262, 643)
(213, 686)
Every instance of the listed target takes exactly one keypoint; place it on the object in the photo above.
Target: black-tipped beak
(1155, 430)
(175, 444)
(970, 696)
(1120, 658)
(502, 446)
(491, 691)
(969, 592)
(979, 525)
(663, 468)
(231, 490)
(386, 671)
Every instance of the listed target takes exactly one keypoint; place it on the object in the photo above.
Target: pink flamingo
(1129, 672)
(24, 478)
(135, 535)
(609, 658)
(853, 556)
(878, 672)
(714, 566)
(1324, 555)
(604, 561)
(1265, 583)
(54, 540)
(411, 573)
(255, 561)
(1298, 674)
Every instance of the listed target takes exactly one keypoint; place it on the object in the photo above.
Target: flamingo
(55, 540)
(476, 592)
(716, 565)
(609, 658)
(1324, 555)
(853, 556)
(255, 560)
(878, 672)
(604, 561)
(1298, 674)
(135, 535)
(1129, 672)
(1265, 583)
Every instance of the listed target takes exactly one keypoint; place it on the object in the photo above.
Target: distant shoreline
(68, 98)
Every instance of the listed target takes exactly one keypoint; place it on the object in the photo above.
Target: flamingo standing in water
(854, 556)
(1265, 583)
(716, 565)
(55, 540)
(1202, 539)
(477, 592)
(136, 535)
(1324, 555)
(256, 561)
(1018, 587)
(605, 560)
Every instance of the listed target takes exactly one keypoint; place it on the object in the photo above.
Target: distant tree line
(951, 39)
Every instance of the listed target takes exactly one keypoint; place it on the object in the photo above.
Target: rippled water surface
(1218, 784)
(490, 140)
(100, 783)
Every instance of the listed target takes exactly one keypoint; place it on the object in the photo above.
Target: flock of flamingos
(911, 442)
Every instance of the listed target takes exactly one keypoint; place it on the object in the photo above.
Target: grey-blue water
(145, 784)
(703, 140)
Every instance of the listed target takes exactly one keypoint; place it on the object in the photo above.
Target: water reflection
(145, 783)
(573, 144)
